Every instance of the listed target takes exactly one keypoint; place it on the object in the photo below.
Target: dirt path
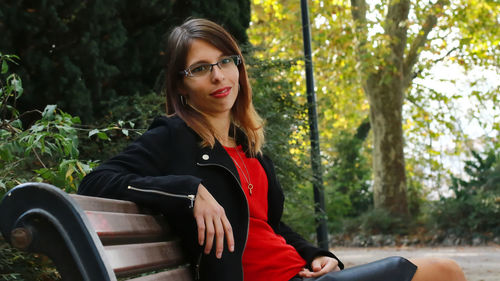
(478, 263)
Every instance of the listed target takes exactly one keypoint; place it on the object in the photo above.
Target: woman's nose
(217, 73)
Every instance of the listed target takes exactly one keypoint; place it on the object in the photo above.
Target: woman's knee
(437, 269)
(447, 265)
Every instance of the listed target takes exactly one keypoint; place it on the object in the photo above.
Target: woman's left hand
(320, 265)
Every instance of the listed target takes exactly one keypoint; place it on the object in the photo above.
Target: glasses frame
(187, 72)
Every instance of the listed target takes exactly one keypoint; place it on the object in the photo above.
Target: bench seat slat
(113, 228)
(89, 203)
(179, 274)
(137, 258)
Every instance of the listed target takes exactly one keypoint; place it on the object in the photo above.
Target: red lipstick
(222, 92)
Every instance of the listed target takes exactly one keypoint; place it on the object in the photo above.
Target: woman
(202, 166)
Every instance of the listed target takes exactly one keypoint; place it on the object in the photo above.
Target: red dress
(266, 256)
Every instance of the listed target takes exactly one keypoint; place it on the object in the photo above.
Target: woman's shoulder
(168, 122)
(167, 127)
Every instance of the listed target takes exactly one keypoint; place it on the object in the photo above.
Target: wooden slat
(179, 274)
(137, 258)
(114, 228)
(106, 205)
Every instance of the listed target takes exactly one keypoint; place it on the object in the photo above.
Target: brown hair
(243, 112)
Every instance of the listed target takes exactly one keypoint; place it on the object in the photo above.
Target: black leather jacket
(169, 160)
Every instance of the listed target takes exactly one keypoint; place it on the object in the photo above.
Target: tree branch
(358, 11)
(396, 26)
(419, 42)
(416, 74)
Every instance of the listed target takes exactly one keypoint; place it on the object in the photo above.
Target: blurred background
(408, 106)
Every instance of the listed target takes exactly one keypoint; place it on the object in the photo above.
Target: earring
(183, 100)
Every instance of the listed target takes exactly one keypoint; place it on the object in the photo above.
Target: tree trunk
(389, 178)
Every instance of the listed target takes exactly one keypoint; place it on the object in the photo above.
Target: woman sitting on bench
(202, 166)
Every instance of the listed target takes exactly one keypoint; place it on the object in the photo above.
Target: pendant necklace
(250, 185)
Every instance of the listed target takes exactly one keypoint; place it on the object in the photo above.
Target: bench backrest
(91, 238)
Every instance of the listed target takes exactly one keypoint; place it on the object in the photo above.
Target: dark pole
(319, 198)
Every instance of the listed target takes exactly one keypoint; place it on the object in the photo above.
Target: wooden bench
(90, 238)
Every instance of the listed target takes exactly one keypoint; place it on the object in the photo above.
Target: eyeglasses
(200, 70)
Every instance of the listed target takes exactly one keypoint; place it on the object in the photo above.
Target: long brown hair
(243, 112)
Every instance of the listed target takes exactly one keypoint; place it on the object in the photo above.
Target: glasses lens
(226, 62)
(200, 70)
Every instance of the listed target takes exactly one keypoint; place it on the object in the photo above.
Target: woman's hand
(320, 265)
(212, 223)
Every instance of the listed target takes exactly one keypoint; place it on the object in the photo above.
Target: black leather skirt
(388, 269)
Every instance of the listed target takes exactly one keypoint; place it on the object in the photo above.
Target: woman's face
(214, 93)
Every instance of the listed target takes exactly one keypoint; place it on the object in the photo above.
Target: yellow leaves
(68, 176)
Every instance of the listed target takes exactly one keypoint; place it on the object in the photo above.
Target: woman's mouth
(220, 93)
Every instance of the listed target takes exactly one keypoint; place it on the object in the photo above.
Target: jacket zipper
(191, 197)
(248, 210)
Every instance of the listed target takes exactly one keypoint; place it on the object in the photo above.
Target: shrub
(475, 207)
(20, 266)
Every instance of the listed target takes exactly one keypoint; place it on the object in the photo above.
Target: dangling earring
(183, 100)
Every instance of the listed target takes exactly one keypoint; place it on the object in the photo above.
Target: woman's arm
(305, 249)
(138, 174)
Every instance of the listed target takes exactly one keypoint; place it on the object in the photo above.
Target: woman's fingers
(320, 266)
(228, 230)
(212, 223)
(200, 222)
(209, 240)
(219, 238)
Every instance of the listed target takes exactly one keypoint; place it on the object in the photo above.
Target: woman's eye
(225, 60)
(200, 68)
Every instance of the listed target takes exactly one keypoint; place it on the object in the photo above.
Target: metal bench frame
(78, 234)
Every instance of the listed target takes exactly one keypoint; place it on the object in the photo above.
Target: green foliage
(138, 110)
(49, 148)
(234, 15)
(274, 100)
(475, 207)
(81, 55)
(115, 133)
(19, 266)
(430, 116)
(379, 221)
(46, 150)
(348, 176)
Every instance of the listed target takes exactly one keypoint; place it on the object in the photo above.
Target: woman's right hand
(212, 223)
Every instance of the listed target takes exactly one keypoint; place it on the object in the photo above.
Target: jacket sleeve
(138, 174)
(305, 249)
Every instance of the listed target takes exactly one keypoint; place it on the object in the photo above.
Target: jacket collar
(217, 156)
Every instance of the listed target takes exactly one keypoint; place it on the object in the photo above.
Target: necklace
(250, 185)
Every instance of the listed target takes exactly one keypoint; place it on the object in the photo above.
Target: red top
(266, 256)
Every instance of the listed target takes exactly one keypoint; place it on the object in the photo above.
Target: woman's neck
(221, 125)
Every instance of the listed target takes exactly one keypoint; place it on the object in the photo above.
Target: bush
(275, 102)
(347, 188)
(376, 221)
(475, 208)
(80, 53)
(20, 266)
(46, 150)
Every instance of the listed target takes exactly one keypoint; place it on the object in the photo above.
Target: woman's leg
(437, 269)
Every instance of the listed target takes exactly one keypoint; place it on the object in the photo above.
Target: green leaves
(5, 60)
(5, 67)
(45, 151)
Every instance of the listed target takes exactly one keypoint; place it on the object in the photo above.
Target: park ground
(478, 263)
